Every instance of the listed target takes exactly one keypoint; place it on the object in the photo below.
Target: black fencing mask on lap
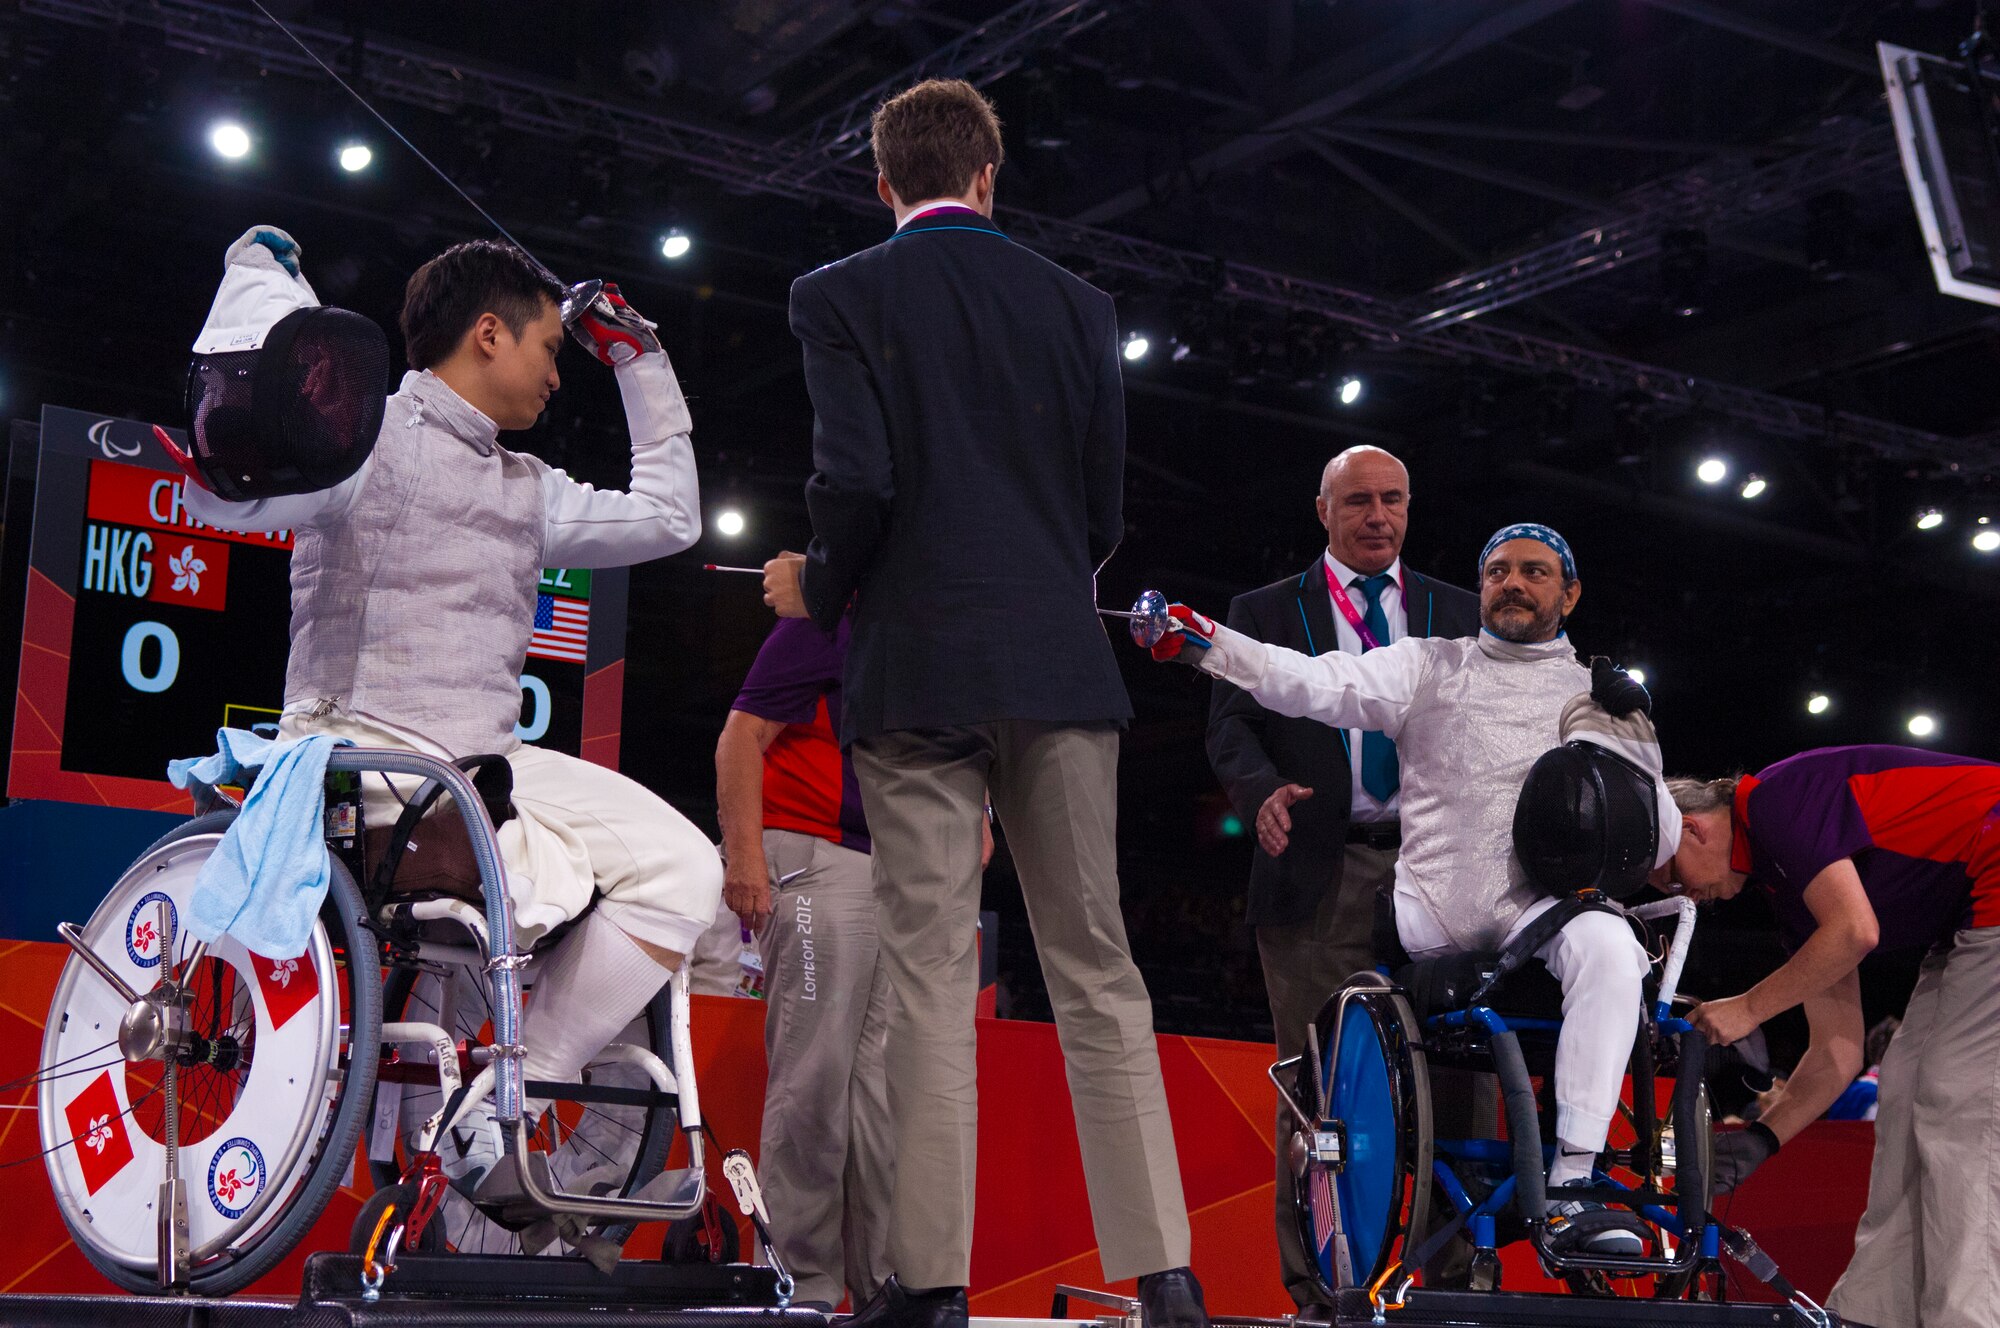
(1587, 818)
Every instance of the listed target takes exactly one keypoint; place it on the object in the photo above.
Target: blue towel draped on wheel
(264, 883)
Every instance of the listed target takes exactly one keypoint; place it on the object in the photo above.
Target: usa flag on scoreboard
(562, 628)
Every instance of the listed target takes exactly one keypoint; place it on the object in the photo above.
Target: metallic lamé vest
(415, 607)
(1484, 710)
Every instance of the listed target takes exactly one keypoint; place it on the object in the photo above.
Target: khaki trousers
(1304, 963)
(826, 1158)
(1927, 1253)
(1055, 788)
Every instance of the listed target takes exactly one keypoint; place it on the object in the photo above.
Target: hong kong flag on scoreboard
(97, 1127)
(189, 571)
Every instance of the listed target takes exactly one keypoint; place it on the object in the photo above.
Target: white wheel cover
(106, 1170)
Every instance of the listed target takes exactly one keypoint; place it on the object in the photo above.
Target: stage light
(675, 244)
(1986, 541)
(1753, 487)
(1922, 726)
(1232, 826)
(1818, 703)
(355, 157)
(1136, 346)
(1712, 470)
(1929, 519)
(729, 523)
(229, 139)
(1637, 675)
(1351, 390)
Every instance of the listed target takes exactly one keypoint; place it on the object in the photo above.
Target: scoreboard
(145, 631)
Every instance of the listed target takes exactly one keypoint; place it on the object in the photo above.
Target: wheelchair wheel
(592, 1147)
(1378, 1089)
(1693, 1160)
(274, 1075)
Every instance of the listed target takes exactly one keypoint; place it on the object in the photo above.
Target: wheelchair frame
(497, 956)
(1322, 1140)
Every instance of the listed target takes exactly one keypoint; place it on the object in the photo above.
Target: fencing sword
(1147, 618)
(577, 296)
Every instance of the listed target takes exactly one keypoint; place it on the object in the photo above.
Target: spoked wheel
(253, 1075)
(592, 1148)
(1378, 1088)
(1692, 1156)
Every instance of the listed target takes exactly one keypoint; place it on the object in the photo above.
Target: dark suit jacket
(1253, 751)
(969, 439)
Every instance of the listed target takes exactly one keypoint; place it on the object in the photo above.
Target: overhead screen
(1948, 132)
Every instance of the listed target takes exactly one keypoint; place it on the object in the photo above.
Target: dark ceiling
(1376, 149)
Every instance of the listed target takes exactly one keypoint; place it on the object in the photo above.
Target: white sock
(597, 981)
(1571, 1163)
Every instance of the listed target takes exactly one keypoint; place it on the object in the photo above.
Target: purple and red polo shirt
(1922, 827)
(809, 784)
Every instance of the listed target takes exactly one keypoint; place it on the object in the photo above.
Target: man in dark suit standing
(1323, 801)
(969, 441)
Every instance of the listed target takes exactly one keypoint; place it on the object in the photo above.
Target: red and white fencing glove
(613, 331)
(1189, 636)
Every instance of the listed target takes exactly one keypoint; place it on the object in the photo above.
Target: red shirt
(1922, 827)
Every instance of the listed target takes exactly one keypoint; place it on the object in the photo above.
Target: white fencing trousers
(578, 829)
(1601, 966)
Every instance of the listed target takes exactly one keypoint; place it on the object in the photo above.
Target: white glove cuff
(1234, 658)
(655, 409)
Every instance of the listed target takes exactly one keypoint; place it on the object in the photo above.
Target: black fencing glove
(1615, 690)
(1739, 1153)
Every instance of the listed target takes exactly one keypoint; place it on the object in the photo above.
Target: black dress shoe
(1172, 1299)
(895, 1306)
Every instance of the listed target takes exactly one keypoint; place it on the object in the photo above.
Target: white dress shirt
(1364, 807)
(932, 206)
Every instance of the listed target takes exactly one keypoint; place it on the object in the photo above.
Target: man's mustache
(1514, 601)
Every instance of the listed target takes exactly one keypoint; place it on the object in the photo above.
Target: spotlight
(1929, 519)
(675, 244)
(1922, 726)
(1637, 675)
(1818, 703)
(355, 157)
(1351, 390)
(1136, 346)
(729, 523)
(1753, 487)
(1712, 470)
(1986, 541)
(229, 139)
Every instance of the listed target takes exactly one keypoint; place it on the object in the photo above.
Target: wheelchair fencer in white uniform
(418, 544)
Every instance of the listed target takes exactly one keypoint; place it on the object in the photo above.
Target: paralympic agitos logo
(105, 436)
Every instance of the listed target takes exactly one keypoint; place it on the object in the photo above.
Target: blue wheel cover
(1369, 1189)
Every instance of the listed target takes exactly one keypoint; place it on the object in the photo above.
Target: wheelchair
(1381, 1195)
(200, 1104)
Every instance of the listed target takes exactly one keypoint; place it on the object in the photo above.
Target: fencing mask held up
(284, 394)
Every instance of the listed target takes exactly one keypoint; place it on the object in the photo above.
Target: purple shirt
(1922, 827)
(809, 784)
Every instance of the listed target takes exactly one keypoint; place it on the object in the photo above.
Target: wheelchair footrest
(1504, 1309)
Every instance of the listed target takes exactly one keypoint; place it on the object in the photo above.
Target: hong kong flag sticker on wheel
(235, 1177)
(97, 1127)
